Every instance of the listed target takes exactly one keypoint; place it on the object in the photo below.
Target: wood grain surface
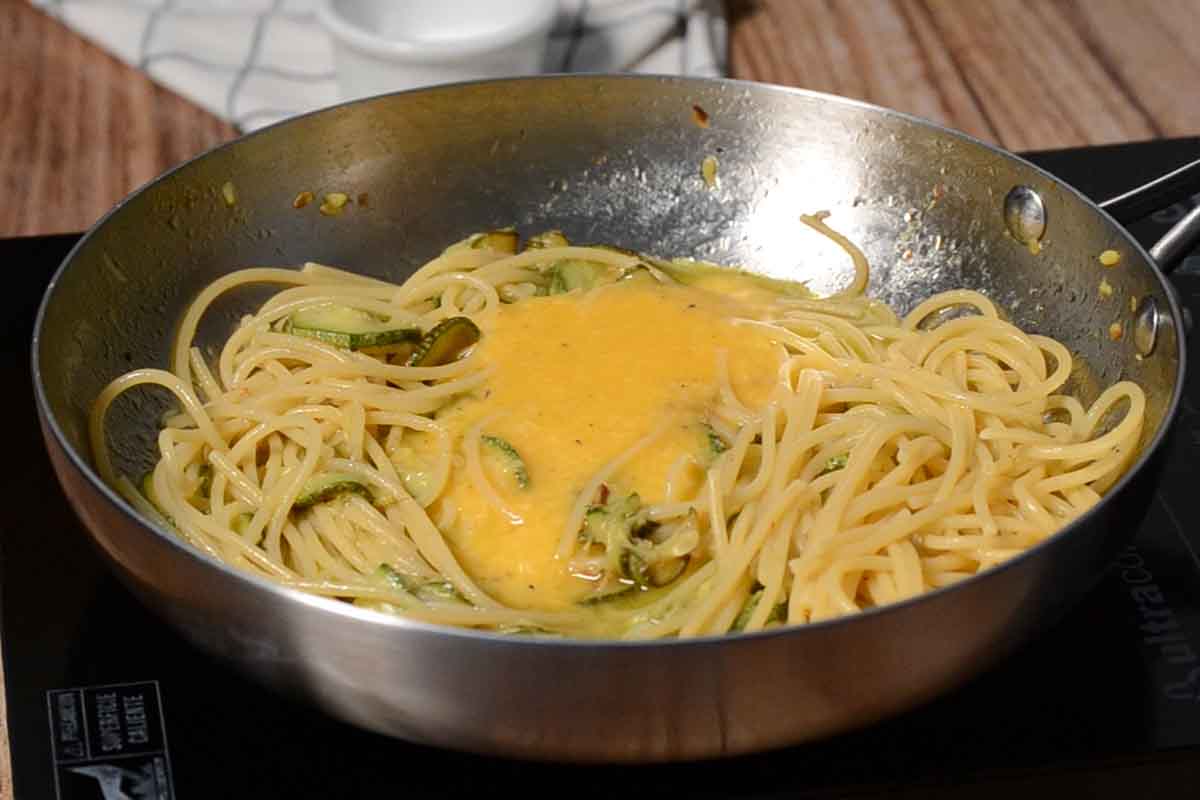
(81, 130)
(1026, 74)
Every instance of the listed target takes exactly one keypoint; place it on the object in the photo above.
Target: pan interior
(611, 160)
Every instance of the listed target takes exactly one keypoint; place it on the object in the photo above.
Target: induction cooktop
(105, 701)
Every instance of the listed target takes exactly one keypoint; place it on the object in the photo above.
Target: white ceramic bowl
(388, 45)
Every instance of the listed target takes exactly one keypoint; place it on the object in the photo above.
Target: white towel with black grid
(255, 62)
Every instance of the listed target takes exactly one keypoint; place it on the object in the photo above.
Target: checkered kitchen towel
(254, 62)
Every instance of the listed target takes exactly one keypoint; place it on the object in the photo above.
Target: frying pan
(617, 160)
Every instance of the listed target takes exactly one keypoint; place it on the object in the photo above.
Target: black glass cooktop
(105, 702)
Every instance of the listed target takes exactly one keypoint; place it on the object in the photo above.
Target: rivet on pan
(1145, 326)
(1025, 215)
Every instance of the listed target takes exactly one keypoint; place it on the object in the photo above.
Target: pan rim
(348, 611)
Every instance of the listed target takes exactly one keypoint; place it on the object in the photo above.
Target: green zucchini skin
(512, 463)
(547, 239)
(424, 589)
(325, 487)
(446, 342)
(631, 541)
(503, 240)
(834, 464)
(711, 444)
(573, 274)
(347, 328)
(778, 612)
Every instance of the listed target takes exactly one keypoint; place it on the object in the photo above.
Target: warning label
(110, 743)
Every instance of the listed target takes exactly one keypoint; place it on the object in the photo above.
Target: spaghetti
(586, 441)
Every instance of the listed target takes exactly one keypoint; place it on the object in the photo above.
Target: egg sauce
(576, 380)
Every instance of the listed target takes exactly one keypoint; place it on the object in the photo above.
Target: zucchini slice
(509, 459)
(348, 328)
(437, 590)
(712, 445)
(651, 575)
(623, 590)
(504, 240)
(571, 274)
(445, 343)
(667, 571)
(638, 550)
(326, 486)
(612, 524)
(778, 613)
(834, 464)
(547, 239)
(205, 475)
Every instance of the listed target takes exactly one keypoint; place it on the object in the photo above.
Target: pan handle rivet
(1025, 214)
(1145, 326)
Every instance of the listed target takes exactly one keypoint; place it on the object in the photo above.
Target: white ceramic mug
(382, 46)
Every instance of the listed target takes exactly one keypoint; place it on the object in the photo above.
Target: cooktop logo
(120, 783)
(1160, 626)
(110, 743)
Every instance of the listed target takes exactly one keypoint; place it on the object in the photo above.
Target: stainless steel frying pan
(606, 159)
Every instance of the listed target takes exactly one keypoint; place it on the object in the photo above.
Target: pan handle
(1155, 195)
(1141, 201)
(1176, 243)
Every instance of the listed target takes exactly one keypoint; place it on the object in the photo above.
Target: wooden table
(80, 130)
